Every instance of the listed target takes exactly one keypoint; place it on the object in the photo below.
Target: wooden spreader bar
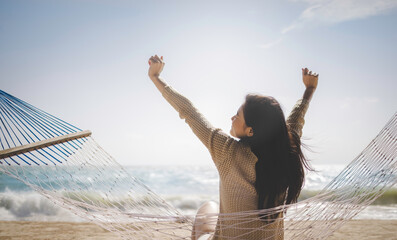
(42, 144)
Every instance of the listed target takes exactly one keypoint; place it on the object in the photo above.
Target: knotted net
(74, 172)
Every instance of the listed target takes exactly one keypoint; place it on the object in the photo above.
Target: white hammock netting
(75, 173)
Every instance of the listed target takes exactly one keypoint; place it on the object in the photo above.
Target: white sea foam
(185, 188)
(378, 212)
(31, 206)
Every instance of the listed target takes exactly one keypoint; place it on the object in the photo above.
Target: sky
(86, 62)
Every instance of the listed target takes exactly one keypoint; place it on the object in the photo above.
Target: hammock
(64, 164)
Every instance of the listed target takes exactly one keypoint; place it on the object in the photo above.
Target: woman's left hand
(310, 79)
(156, 66)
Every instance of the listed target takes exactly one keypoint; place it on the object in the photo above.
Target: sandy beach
(16, 230)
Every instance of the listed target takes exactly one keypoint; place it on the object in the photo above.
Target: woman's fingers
(153, 59)
(306, 71)
(156, 59)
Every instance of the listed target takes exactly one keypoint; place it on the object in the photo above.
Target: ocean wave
(31, 206)
(185, 188)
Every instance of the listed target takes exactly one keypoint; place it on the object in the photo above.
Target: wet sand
(13, 230)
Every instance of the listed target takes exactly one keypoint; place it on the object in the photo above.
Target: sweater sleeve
(295, 120)
(217, 142)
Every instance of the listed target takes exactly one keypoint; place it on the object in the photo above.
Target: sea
(184, 187)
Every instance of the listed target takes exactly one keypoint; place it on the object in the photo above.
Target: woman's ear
(250, 132)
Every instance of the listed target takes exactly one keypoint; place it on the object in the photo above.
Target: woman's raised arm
(296, 120)
(156, 67)
(217, 142)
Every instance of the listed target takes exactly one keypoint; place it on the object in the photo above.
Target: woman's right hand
(310, 79)
(156, 66)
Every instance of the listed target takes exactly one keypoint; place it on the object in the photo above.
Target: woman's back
(237, 194)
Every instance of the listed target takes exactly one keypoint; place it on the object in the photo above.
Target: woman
(263, 170)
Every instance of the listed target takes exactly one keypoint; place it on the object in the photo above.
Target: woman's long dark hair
(280, 166)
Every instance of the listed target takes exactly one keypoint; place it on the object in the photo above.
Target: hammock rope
(78, 175)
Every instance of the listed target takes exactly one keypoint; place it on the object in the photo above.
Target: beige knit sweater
(236, 166)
